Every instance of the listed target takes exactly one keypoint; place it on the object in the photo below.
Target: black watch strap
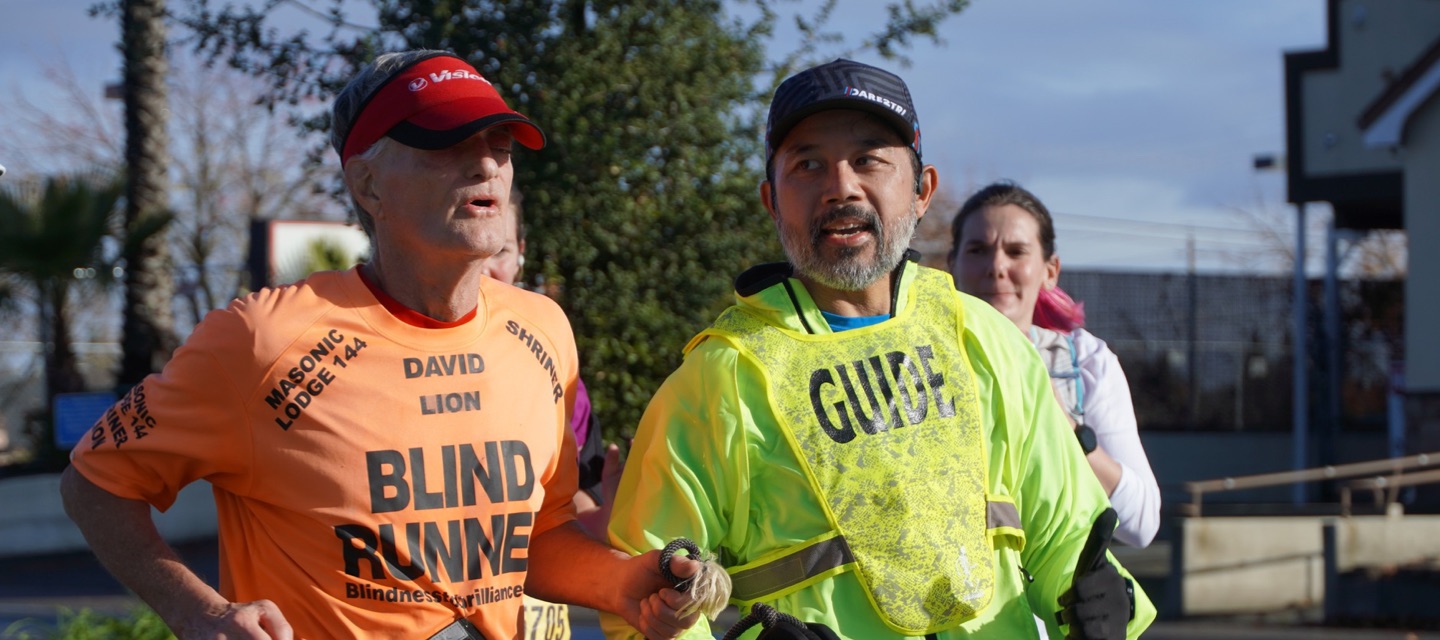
(1086, 436)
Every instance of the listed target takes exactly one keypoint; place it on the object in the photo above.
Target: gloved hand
(1100, 601)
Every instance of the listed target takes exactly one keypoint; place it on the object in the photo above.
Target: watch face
(1086, 436)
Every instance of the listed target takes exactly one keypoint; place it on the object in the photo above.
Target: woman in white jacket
(1003, 251)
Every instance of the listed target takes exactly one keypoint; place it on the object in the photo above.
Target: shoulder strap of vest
(1062, 361)
(1079, 380)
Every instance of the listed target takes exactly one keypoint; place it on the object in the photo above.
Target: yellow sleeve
(1057, 494)
(686, 472)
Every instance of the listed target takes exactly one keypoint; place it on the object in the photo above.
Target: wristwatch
(1086, 436)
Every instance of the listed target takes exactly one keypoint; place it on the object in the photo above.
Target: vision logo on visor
(423, 106)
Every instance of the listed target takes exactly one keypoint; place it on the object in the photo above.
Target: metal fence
(1213, 352)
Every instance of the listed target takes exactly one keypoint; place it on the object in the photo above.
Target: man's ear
(767, 198)
(929, 185)
(360, 182)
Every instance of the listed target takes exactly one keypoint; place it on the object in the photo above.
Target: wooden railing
(1385, 489)
(1384, 477)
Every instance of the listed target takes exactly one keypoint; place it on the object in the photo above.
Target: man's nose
(481, 160)
(843, 184)
(481, 163)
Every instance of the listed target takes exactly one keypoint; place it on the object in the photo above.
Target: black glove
(1100, 601)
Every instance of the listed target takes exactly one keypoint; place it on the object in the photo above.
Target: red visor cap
(434, 104)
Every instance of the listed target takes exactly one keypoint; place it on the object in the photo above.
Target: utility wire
(1255, 243)
(1178, 226)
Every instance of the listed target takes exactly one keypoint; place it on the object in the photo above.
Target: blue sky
(1114, 111)
(1131, 119)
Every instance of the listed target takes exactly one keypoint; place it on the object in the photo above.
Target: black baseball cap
(842, 84)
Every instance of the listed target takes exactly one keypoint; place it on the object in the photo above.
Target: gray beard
(849, 271)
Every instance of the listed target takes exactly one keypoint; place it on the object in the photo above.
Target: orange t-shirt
(372, 478)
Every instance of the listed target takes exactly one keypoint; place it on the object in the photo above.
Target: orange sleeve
(177, 426)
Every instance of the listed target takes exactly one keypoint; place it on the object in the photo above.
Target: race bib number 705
(546, 621)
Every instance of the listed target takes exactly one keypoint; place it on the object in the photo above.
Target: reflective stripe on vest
(887, 425)
(1002, 515)
(814, 559)
(810, 560)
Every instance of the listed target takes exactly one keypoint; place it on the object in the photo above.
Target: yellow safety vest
(887, 423)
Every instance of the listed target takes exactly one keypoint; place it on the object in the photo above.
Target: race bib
(546, 620)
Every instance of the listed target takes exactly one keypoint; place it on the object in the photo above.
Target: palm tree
(54, 241)
(48, 243)
(149, 324)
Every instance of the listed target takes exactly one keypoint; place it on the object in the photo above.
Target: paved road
(35, 589)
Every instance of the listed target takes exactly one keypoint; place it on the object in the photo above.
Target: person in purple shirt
(599, 462)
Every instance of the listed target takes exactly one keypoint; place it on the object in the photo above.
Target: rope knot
(711, 585)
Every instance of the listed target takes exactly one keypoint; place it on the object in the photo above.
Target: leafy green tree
(140, 624)
(643, 206)
(327, 255)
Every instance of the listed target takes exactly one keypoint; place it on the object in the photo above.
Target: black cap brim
(413, 135)
(895, 120)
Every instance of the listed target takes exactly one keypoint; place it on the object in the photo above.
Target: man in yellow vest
(870, 452)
